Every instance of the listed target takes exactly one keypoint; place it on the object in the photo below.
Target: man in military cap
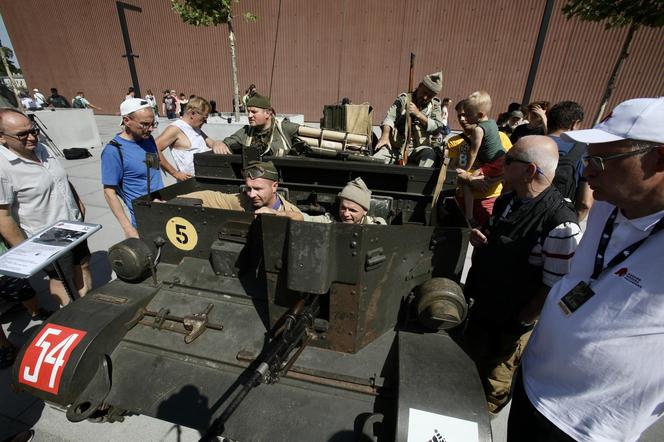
(265, 134)
(423, 110)
(260, 194)
(354, 202)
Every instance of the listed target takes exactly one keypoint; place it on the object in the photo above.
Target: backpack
(565, 178)
(76, 153)
(77, 103)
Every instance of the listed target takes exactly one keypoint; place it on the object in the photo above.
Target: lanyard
(620, 257)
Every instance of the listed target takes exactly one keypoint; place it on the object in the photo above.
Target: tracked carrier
(262, 328)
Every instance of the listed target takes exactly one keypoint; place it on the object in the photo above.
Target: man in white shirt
(185, 138)
(35, 193)
(593, 368)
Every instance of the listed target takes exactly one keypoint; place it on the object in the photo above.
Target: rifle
(408, 138)
(292, 330)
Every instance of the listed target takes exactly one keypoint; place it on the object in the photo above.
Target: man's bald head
(538, 149)
(11, 117)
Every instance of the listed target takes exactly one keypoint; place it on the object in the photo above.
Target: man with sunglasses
(593, 368)
(522, 251)
(123, 162)
(34, 193)
(185, 137)
(261, 181)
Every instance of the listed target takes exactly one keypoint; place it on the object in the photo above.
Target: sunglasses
(597, 163)
(25, 134)
(253, 172)
(510, 159)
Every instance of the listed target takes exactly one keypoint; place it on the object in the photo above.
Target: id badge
(575, 298)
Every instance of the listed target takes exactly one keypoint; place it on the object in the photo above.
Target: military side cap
(261, 169)
(357, 192)
(434, 82)
(259, 101)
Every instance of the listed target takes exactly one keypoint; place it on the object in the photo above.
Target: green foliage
(618, 13)
(208, 12)
(9, 54)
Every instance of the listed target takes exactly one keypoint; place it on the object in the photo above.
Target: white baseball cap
(131, 105)
(638, 119)
(35, 90)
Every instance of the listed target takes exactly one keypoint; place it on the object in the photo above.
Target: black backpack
(76, 153)
(565, 179)
(78, 103)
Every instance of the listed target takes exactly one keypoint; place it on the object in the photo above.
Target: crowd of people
(576, 366)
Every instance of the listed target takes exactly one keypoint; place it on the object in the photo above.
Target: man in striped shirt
(523, 249)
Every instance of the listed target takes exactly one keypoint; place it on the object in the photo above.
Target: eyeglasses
(253, 172)
(25, 134)
(154, 124)
(597, 163)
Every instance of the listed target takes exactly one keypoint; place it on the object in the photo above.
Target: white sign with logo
(431, 427)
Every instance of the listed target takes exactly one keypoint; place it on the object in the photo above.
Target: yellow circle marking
(181, 233)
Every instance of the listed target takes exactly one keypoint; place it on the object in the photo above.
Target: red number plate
(46, 357)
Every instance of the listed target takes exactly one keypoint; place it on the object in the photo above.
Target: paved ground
(22, 411)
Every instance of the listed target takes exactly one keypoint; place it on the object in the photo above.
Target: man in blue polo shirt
(124, 173)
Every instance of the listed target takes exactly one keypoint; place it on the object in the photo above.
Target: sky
(4, 37)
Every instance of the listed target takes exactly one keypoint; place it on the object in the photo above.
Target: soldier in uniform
(424, 111)
(265, 135)
(260, 195)
(354, 202)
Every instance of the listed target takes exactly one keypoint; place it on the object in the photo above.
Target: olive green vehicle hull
(373, 369)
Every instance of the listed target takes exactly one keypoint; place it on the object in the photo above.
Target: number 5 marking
(181, 233)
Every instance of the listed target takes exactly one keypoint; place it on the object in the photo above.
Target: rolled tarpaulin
(315, 142)
(332, 135)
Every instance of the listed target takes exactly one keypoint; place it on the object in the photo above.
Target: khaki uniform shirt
(327, 219)
(396, 119)
(276, 140)
(233, 201)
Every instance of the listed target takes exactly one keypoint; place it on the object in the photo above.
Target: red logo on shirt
(47, 355)
(621, 272)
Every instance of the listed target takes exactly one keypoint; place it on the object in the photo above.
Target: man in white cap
(423, 110)
(354, 202)
(39, 97)
(593, 368)
(124, 173)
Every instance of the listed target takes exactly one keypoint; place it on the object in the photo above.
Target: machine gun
(294, 329)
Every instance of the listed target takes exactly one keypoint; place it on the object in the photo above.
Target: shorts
(494, 168)
(15, 289)
(69, 260)
(482, 208)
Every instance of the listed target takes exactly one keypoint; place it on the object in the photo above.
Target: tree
(9, 55)
(213, 13)
(617, 13)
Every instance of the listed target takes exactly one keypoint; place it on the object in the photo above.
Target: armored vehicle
(262, 328)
